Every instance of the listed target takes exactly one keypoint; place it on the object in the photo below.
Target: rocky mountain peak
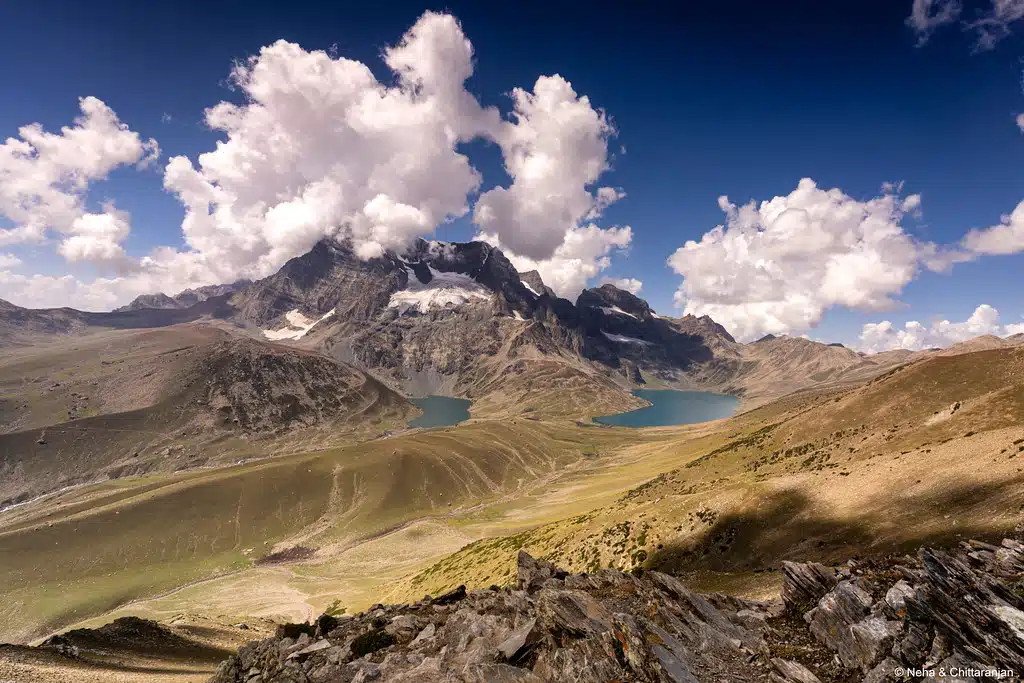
(613, 300)
(153, 301)
(533, 280)
(704, 326)
(482, 262)
(328, 277)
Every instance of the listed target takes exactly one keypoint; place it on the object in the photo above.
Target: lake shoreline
(672, 408)
(440, 411)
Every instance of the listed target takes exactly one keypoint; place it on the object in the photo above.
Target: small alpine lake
(440, 411)
(670, 407)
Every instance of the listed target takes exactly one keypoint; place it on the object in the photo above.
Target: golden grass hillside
(930, 453)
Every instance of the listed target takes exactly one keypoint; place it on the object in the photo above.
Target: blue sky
(728, 98)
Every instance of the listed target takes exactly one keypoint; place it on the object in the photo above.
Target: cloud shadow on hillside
(783, 528)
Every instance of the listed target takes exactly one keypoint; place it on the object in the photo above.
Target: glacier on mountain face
(444, 289)
(298, 325)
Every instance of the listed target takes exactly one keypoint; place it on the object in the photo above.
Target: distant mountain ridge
(183, 299)
(459, 319)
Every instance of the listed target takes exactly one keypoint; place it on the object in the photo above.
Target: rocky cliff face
(452, 318)
(329, 277)
(438, 318)
(620, 327)
(942, 614)
(959, 612)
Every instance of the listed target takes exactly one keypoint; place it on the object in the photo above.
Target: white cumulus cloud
(318, 146)
(582, 255)
(45, 291)
(915, 336)
(44, 176)
(1005, 238)
(96, 238)
(322, 147)
(775, 267)
(555, 150)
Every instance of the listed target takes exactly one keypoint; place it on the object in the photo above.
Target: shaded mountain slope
(129, 650)
(131, 402)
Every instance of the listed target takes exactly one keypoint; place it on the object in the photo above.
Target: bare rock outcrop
(551, 627)
(959, 611)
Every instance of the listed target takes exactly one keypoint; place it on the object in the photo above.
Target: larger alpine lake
(671, 407)
(440, 411)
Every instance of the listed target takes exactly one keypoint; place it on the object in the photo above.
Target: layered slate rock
(959, 610)
(805, 583)
(551, 626)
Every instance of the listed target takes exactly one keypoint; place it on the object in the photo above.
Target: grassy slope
(820, 475)
(358, 571)
(68, 558)
(552, 388)
(824, 474)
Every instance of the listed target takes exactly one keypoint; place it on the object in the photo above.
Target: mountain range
(328, 348)
(455, 318)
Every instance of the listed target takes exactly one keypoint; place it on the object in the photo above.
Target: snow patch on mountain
(527, 285)
(625, 340)
(298, 325)
(444, 289)
(612, 310)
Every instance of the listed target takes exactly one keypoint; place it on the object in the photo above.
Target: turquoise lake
(440, 411)
(671, 407)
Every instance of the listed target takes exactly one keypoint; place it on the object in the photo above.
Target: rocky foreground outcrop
(893, 620)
